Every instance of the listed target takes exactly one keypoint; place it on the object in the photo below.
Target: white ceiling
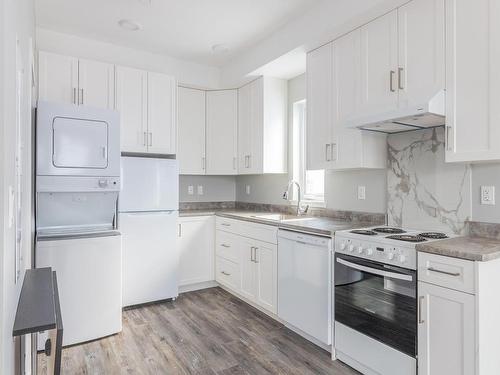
(186, 29)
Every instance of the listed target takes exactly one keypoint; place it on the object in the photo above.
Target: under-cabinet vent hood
(430, 114)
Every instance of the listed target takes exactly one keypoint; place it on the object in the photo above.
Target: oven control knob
(351, 247)
(390, 256)
(342, 246)
(360, 249)
(402, 258)
(369, 251)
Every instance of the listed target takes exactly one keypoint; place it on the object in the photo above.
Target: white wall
(487, 175)
(186, 72)
(16, 19)
(215, 188)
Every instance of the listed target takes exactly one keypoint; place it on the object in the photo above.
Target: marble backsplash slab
(424, 192)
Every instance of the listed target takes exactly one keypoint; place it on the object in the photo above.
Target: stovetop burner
(433, 235)
(364, 232)
(407, 238)
(389, 230)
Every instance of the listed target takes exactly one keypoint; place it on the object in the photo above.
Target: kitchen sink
(281, 217)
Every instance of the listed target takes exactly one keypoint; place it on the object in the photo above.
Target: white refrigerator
(148, 210)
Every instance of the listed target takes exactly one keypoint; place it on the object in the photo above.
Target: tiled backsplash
(424, 192)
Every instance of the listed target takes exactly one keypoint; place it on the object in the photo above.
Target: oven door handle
(393, 275)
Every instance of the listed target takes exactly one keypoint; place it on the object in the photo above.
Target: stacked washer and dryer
(77, 187)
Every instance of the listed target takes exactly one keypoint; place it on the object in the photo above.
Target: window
(312, 182)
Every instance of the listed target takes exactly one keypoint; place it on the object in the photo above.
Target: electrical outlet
(190, 190)
(200, 189)
(247, 189)
(361, 192)
(488, 195)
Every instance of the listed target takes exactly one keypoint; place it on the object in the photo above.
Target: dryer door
(79, 143)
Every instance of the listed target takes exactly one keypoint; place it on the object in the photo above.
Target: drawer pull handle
(420, 300)
(225, 245)
(443, 272)
(225, 224)
(225, 273)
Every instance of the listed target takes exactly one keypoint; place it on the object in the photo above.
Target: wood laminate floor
(203, 332)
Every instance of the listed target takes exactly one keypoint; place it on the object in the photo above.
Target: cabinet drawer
(226, 246)
(260, 232)
(228, 225)
(447, 272)
(227, 273)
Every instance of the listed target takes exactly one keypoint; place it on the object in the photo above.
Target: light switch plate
(200, 189)
(362, 192)
(190, 190)
(488, 195)
(247, 189)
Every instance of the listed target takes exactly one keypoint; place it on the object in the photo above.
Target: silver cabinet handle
(432, 269)
(144, 139)
(225, 245)
(391, 80)
(234, 162)
(420, 300)
(104, 152)
(74, 96)
(203, 163)
(255, 254)
(180, 230)
(327, 154)
(81, 96)
(150, 139)
(249, 161)
(225, 273)
(333, 155)
(400, 79)
(251, 253)
(225, 224)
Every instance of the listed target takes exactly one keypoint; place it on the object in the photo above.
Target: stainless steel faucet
(300, 210)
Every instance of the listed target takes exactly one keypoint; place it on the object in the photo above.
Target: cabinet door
(246, 248)
(131, 97)
(446, 331)
(319, 108)
(266, 276)
(222, 128)
(162, 125)
(379, 86)
(57, 78)
(96, 81)
(191, 153)
(244, 129)
(256, 126)
(196, 249)
(472, 80)
(421, 51)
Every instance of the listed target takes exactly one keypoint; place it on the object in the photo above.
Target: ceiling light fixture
(220, 48)
(130, 25)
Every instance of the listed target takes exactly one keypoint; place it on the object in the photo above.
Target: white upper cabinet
(67, 79)
(147, 106)
(191, 119)
(131, 98)
(472, 80)
(379, 65)
(221, 132)
(319, 126)
(421, 62)
(57, 78)
(162, 113)
(262, 128)
(96, 82)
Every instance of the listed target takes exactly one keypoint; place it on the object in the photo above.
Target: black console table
(39, 310)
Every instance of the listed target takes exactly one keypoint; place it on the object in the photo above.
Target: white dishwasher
(304, 283)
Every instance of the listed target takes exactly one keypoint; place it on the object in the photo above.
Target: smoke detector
(130, 25)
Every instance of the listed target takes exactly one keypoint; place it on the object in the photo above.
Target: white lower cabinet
(247, 266)
(446, 331)
(196, 249)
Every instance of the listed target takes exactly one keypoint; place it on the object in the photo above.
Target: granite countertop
(324, 226)
(469, 248)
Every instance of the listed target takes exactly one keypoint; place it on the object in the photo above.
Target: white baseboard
(197, 286)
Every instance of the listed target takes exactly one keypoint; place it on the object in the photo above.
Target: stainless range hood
(430, 114)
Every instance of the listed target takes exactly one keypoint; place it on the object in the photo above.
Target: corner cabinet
(472, 80)
(147, 104)
(191, 119)
(262, 126)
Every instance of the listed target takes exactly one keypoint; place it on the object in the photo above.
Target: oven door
(377, 300)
